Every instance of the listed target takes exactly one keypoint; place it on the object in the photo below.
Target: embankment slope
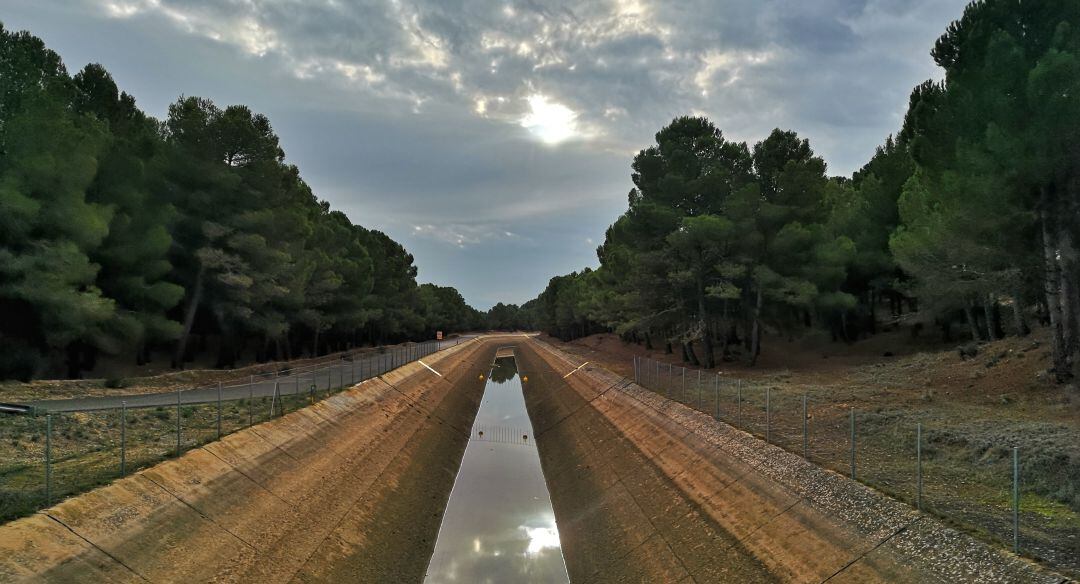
(648, 490)
(353, 489)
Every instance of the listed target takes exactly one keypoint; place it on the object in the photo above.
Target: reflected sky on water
(499, 525)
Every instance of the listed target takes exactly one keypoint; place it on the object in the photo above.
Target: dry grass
(86, 446)
(157, 381)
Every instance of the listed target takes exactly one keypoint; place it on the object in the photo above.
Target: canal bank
(351, 488)
(354, 488)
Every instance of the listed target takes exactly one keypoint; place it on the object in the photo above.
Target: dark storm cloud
(410, 115)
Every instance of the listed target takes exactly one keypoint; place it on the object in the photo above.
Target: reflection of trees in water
(504, 370)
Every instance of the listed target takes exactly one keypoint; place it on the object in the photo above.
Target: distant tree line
(969, 214)
(125, 235)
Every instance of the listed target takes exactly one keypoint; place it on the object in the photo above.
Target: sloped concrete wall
(646, 489)
(318, 494)
(353, 489)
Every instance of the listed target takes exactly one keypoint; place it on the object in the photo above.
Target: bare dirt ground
(973, 411)
(158, 377)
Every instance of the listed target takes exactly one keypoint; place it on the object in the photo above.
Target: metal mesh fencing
(904, 454)
(49, 455)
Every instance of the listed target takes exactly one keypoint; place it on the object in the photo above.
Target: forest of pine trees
(128, 236)
(968, 215)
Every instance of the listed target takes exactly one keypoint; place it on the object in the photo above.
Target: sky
(493, 138)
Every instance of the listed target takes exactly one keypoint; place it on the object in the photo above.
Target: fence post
(219, 410)
(768, 415)
(277, 396)
(48, 459)
(178, 422)
(918, 466)
(699, 389)
(670, 382)
(123, 438)
(852, 443)
(805, 437)
(1016, 499)
(716, 394)
(251, 405)
(738, 415)
(636, 370)
(682, 389)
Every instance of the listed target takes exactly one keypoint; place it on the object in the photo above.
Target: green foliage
(718, 236)
(121, 234)
(975, 203)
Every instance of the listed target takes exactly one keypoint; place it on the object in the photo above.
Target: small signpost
(438, 335)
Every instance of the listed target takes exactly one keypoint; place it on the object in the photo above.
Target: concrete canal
(499, 525)
(391, 481)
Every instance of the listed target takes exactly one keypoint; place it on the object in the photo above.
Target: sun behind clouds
(551, 122)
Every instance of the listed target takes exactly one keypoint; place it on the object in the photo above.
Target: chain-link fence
(65, 447)
(911, 456)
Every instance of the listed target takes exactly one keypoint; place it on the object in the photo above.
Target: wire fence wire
(51, 455)
(908, 460)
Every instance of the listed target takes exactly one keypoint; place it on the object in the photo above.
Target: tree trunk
(703, 318)
(648, 341)
(688, 348)
(1022, 329)
(724, 336)
(189, 319)
(988, 314)
(755, 334)
(969, 316)
(73, 360)
(873, 311)
(1069, 288)
(1052, 290)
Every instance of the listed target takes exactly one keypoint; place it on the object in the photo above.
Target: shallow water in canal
(499, 525)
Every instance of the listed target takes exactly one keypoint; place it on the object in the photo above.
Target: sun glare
(549, 121)
(541, 538)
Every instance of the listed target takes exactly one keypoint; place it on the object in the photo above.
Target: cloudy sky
(493, 138)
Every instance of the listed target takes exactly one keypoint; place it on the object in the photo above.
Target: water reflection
(499, 525)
